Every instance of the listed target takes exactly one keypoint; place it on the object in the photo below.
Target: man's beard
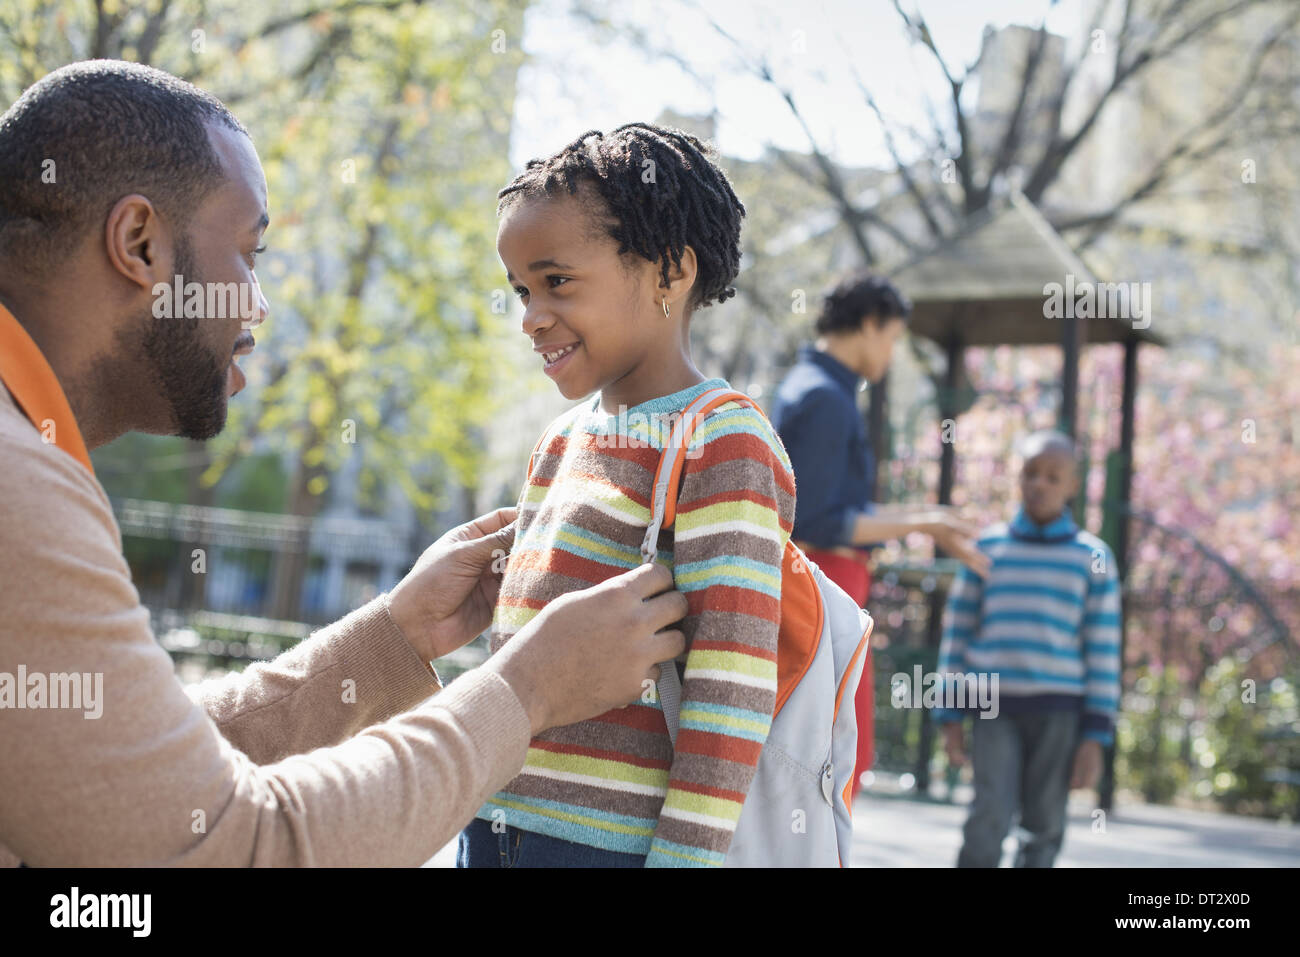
(192, 379)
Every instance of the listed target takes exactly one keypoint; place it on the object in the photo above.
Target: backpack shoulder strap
(663, 511)
(668, 476)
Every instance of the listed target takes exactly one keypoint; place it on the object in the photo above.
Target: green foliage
(144, 466)
(1217, 745)
(383, 130)
(257, 483)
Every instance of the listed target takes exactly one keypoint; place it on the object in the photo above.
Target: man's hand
(448, 597)
(957, 538)
(954, 743)
(591, 651)
(1087, 764)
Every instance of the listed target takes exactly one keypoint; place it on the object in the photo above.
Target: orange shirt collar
(32, 383)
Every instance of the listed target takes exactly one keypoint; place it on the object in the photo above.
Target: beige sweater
(271, 766)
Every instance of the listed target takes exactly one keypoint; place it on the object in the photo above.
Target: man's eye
(557, 280)
(256, 252)
(520, 291)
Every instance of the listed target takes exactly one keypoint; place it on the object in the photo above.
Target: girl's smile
(556, 357)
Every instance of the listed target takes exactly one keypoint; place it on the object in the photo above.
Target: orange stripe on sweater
(637, 718)
(714, 645)
(709, 744)
(730, 598)
(681, 784)
(739, 445)
(563, 562)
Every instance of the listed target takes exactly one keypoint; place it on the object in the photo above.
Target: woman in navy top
(816, 413)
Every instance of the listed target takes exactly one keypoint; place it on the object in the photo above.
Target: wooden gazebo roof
(984, 285)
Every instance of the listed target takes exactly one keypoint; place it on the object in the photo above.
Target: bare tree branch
(904, 172)
(292, 20)
(1011, 138)
(1062, 148)
(152, 32)
(964, 160)
(1184, 150)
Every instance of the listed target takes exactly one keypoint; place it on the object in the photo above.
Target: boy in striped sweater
(1046, 622)
(612, 244)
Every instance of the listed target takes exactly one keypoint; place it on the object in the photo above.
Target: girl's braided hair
(661, 193)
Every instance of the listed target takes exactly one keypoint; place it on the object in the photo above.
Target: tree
(382, 125)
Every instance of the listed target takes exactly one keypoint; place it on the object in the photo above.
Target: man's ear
(681, 279)
(136, 242)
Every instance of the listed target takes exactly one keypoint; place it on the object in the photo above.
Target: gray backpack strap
(669, 684)
(670, 697)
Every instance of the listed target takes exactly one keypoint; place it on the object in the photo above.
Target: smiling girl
(612, 245)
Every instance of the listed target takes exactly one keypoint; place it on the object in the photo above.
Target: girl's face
(594, 317)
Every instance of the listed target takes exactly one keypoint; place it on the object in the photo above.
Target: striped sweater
(615, 782)
(1046, 620)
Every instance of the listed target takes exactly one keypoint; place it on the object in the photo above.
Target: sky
(572, 84)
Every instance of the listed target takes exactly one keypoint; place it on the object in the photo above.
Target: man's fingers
(488, 524)
(666, 645)
(504, 537)
(495, 521)
(647, 580)
(489, 546)
(666, 609)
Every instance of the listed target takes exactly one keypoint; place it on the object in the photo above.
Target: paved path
(897, 832)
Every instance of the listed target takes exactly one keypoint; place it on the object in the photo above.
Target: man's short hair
(863, 295)
(86, 135)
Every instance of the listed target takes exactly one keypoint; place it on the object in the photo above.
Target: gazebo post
(877, 423)
(1070, 347)
(1128, 406)
(956, 350)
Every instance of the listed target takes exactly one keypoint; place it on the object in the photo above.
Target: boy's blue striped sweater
(1046, 620)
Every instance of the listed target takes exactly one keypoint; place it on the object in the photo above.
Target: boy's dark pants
(1023, 762)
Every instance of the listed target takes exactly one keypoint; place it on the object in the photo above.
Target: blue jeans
(479, 846)
(1022, 763)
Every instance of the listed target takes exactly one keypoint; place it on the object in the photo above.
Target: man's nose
(262, 309)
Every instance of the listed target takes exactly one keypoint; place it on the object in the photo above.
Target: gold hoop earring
(666, 316)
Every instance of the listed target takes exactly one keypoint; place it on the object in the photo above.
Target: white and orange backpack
(797, 811)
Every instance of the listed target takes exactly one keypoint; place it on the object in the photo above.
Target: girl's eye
(520, 291)
(557, 280)
(253, 258)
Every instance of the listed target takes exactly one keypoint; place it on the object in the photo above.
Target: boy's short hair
(660, 191)
(1047, 440)
(862, 295)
